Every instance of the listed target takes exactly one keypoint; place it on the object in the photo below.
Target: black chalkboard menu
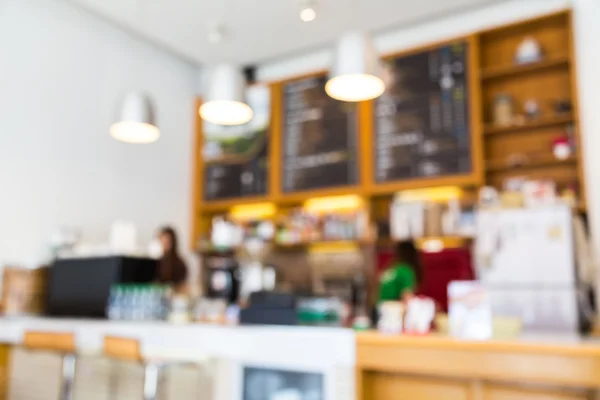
(236, 157)
(319, 138)
(237, 179)
(422, 120)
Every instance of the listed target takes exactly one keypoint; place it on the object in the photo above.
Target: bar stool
(127, 349)
(60, 343)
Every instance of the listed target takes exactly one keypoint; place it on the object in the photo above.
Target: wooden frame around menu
(200, 206)
(476, 177)
(224, 204)
(278, 132)
(366, 186)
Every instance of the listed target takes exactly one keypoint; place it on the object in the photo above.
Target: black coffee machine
(222, 279)
(80, 287)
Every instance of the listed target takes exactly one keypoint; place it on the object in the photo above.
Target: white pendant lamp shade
(356, 71)
(224, 103)
(135, 120)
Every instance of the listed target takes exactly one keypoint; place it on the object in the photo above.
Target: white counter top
(224, 351)
(305, 347)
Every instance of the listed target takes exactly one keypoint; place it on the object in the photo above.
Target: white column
(587, 52)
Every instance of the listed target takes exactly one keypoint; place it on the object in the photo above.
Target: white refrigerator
(525, 258)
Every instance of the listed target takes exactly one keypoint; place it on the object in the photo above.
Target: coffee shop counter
(549, 367)
(344, 365)
(321, 357)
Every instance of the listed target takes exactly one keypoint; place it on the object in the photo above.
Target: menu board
(236, 157)
(422, 120)
(319, 138)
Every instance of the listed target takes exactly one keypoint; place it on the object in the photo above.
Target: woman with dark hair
(400, 281)
(171, 268)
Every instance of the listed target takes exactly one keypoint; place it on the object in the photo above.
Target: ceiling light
(356, 71)
(308, 14)
(308, 10)
(225, 98)
(216, 33)
(135, 122)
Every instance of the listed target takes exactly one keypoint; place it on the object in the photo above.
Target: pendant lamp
(135, 120)
(224, 103)
(356, 71)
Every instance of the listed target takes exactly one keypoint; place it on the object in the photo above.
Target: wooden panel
(580, 348)
(538, 161)
(122, 348)
(23, 290)
(381, 386)
(523, 69)
(528, 126)
(366, 137)
(380, 208)
(529, 143)
(497, 392)
(53, 341)
(5, 354)
(476, 111)
(564, 175)
(575, 103)
(197, 186)
(275, 161)
(465, 363)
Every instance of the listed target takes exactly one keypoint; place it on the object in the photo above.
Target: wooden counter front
(423, 368)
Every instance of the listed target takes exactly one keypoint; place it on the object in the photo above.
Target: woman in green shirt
(400, 281)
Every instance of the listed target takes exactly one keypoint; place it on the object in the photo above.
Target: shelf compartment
(562, 174)
(508, 71)
(536, 162)
(539, 123)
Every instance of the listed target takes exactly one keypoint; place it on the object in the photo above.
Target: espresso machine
(222, 278)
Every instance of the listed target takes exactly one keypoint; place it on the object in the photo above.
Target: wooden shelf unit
(538, 123)
(493, 72)
(547, 81)
(512, 70)
(528, 164)
(438, 367)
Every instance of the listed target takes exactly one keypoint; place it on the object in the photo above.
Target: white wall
(587, 36)
(587, 51)
(62, 71)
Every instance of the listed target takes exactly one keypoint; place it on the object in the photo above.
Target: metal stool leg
(112, 380)
(69, 362)
(151, 379)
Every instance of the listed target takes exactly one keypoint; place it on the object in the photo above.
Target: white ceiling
(260, 30)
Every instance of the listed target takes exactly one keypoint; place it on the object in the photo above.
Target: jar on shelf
(503, 109)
